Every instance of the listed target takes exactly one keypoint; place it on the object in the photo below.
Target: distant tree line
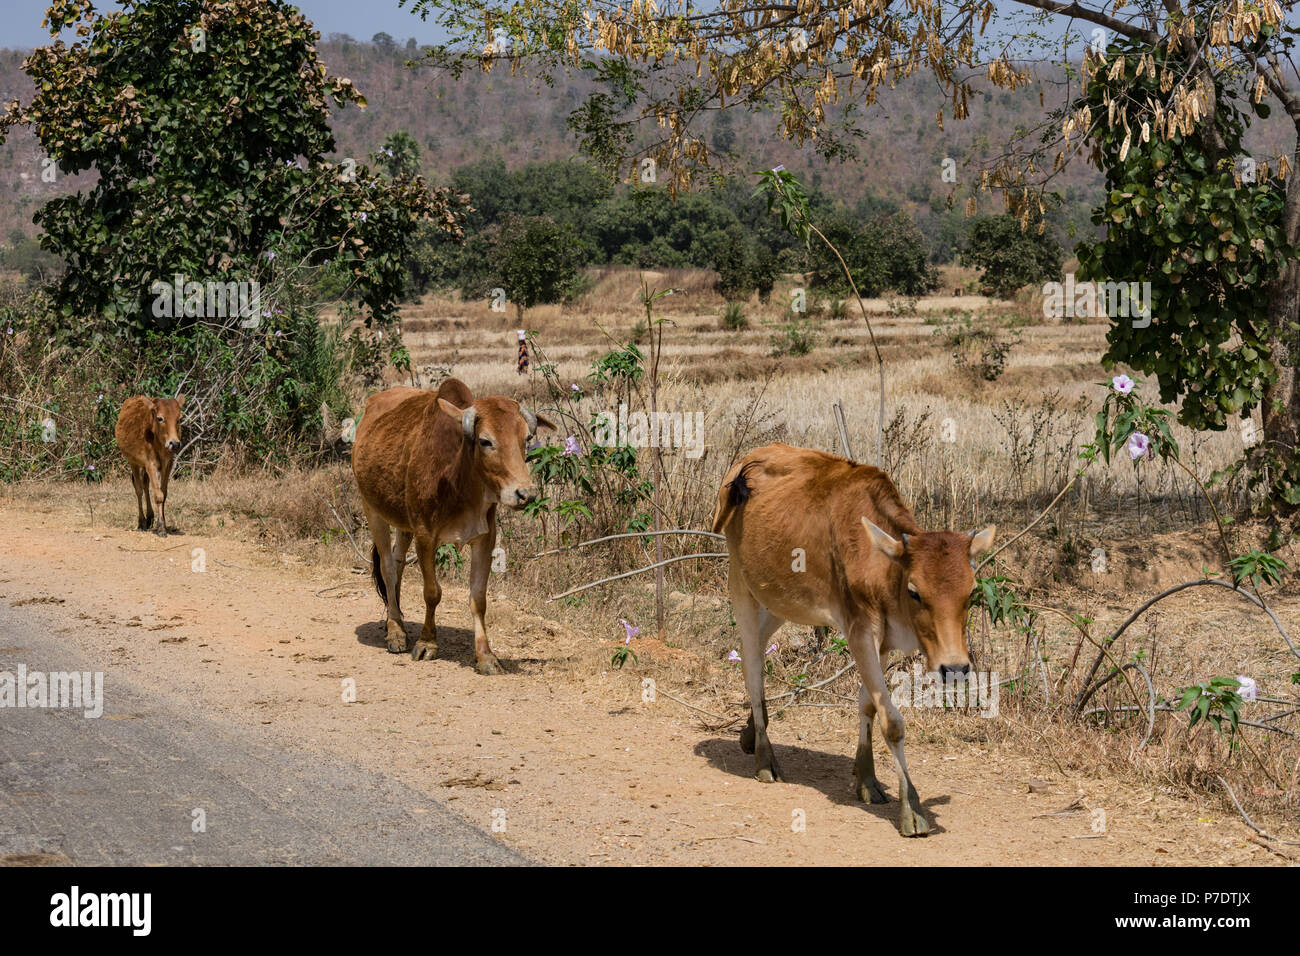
(576, 217)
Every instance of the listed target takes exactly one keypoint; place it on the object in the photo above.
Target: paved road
(122, 791)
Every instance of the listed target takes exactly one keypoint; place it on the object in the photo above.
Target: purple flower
(733, 657)
(771, 649)
(571, 446)
(363, 216)
(92, 468)
(630, 630)
(1123, 384)
(779, 168)
(1248, 690)
(574, 387)
(1138, 445)
(270, 255)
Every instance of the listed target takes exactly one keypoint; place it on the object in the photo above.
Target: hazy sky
(20, 20)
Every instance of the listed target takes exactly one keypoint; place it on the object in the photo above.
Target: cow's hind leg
(864, 766)
(862, 643)
(767, 626)
(747, 613)
(480, 565)
(389, 581)
(426, 552)
(141, 485)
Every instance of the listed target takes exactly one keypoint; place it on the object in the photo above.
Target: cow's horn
(530, 417)
(467, 421)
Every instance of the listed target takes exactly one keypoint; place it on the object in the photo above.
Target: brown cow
(149, 435)
(816, 539)
(435, 467)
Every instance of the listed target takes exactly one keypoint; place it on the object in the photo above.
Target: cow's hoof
(160, 531)
(142, 525)
(912, 823)
(870, 791)
(769, 774)
(397, 642)
(489, 665)
(424, 650)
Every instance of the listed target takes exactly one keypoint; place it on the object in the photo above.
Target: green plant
(1257, 566)
(733, 317)
(977, 347)
(796, 337)
(1214, 701)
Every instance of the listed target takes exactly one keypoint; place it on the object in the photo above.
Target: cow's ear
(451, 410)
(180, 401)
(883, 541)
(544, 422)
(466, 416)
(981, 541)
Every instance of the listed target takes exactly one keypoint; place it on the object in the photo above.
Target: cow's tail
(732, 496)
(377, 573)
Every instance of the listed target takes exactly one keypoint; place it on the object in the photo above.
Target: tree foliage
(207, 124)
(1009, 257)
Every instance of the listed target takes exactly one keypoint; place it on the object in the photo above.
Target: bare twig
(628, 574)
(631, 534)
(1249, 822)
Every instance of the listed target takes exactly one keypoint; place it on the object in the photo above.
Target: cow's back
(396, 423)
(132, 432)
(792, 516)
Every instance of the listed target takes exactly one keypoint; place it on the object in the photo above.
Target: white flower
(1247, 690)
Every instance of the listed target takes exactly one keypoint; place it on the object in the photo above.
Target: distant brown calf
(149, 435)
(434, 467)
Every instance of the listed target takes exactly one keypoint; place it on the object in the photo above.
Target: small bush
(733, 318)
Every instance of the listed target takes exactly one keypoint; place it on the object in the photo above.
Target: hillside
(480, 116)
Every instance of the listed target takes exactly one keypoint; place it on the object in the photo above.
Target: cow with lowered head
(432, 468)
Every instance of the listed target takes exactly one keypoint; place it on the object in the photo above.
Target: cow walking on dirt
(432, 468)
(819, 540)
(149, 436)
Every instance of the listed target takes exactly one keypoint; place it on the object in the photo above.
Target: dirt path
(577, 771)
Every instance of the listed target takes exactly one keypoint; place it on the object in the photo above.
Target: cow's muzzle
(953, 672)
(522, 498)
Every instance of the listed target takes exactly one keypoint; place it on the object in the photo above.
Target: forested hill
(496, 116)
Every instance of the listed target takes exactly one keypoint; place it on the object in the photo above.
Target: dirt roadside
(580, 771)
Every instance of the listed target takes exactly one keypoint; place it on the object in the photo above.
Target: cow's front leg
(911, 818)
(480, 565)
(864, 766)
(426, 551)
(158, 496)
